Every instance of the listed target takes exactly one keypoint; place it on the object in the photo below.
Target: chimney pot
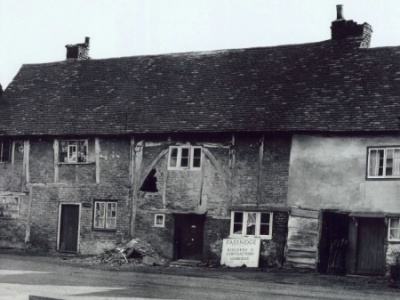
(339, 12)
(87, 39)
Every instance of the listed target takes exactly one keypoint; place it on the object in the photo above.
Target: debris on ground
(134, 251)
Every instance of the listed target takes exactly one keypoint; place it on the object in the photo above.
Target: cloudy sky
(37, 31)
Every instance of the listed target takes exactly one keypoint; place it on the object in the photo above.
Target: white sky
(36, 31)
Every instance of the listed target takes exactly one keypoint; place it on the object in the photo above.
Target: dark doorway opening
(189, 230)
(69, 228)
(333, 243)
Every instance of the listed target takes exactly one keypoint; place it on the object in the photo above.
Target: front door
(69, 228)
(189, 229)
(370, 246)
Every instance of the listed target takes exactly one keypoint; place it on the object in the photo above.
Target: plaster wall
(330, 173)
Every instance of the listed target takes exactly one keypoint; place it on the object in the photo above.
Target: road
(21, 277)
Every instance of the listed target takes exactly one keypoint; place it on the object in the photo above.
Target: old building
(296, 145)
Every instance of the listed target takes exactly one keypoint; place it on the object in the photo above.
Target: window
(257, 224)
(384, 162)
(73, 151)
(184, 157)
(394, 229)
(105, 215)
(5, 150)
(159, 220)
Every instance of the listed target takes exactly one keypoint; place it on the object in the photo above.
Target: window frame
(68, 153)
(390, 228)
(190, 159)
(155, 224)
(105, 217)
(10, 147)
(258, 224)
(384, 148)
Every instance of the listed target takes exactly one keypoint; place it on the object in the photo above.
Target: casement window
(105, 215)
(5, 150)
(384, 162)
(184, 157)
(394, 229)
(257, 224)
(73, 151)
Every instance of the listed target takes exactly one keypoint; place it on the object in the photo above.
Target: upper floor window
(255, 224)
(394, 229)
(5, 150)
(73, 151)
(184, 157)
(384, 162)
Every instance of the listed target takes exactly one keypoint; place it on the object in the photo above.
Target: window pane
(396, 162)
(82, 151)
(265, 218)
(251, 223)
(394, 223)
(99, 215)
(389, 162)
(196, 157)
(373, 163)
(173, 157)
(380, 157)
(264, 229)
(6, 150)
(394, 234)
(185, 157)
(238, 223)
(72, 153)
(62, 151)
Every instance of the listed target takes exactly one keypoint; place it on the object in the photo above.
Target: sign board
(241, 251)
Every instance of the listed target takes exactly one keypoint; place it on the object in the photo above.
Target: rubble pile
(132, 252)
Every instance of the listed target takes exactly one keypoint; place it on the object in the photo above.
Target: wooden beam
(137, 156)
(259, 173)
(26, 161)
(97, 158)
(56, 149)
(28, 219)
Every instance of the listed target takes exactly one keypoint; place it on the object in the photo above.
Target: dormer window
(184, 158)
(384, 162)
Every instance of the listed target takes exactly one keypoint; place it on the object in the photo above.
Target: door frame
(59, 224)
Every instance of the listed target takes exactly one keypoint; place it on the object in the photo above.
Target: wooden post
(97, 158)
(26, 161)
(28, 219)
(260, 160)
(232, 165)
(137, 156)
(56, 149)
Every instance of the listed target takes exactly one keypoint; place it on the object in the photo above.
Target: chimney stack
(343, 29)
(79, 51)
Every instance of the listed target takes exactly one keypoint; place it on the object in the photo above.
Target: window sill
(80, 163)
(382, 178)
(184, 169)
(250, 236)
(104, 230)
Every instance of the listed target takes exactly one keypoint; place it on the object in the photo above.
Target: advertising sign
(241, 251)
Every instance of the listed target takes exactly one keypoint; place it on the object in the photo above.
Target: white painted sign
(239, 252)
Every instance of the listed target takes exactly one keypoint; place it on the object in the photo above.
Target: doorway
(68, 235)
(189, 230)
(333, 243)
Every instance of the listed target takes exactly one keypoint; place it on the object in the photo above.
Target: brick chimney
(78, 51)
(343, 29)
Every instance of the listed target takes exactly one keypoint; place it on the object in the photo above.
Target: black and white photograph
(199, 149)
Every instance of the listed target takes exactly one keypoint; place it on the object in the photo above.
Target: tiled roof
(326, 87)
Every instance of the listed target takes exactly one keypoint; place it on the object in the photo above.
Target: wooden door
(189, 229)
(69, 228)
(370, 246)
